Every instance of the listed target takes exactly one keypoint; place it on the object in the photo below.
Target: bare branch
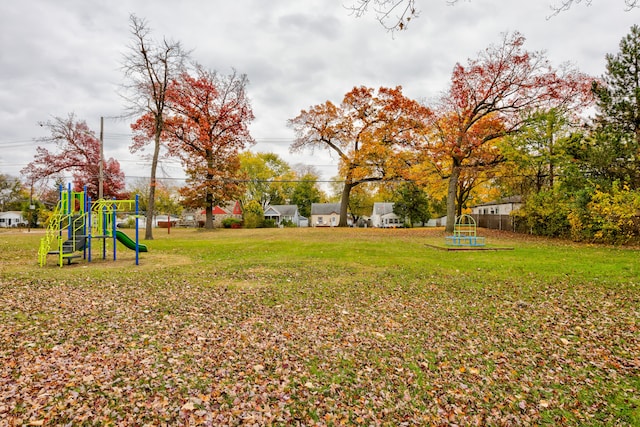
(149, 68)
(395, 15)
(392, 14)
(565, 5)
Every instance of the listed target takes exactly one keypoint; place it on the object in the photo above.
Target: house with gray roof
(282, 214)
(498, 207)
(325, 214)
(383, 216)
(12, 219)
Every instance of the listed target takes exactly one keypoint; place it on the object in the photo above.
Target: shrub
(231, 223)
(612, 217)
(287, 223)
(253, 215)
(130, 222)
(268, 223)
(547, 214)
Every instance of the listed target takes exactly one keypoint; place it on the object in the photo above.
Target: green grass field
(321, 327)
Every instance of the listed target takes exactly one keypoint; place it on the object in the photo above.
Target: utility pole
(31, 208)
(101, 165)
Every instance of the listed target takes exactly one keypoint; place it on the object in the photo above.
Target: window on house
(320, 220)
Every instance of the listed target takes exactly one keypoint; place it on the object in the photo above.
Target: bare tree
(149, 67)
(395, 15)
(566, 5)
(392, 14)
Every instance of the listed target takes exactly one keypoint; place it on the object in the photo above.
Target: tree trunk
(208, 197)
(451, 198)
(344, 203)
(551, 159)
(151, 203)
(460, 199)
(208, 218)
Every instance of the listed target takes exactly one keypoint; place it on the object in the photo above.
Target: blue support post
(69, 201)
(113, 229)
(85, 226)
(137, 234)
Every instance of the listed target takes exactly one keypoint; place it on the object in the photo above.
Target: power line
(16, 141)
(117, 135)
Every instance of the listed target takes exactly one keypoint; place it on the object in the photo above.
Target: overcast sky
(65, 56)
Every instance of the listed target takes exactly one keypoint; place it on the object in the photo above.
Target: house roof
(389, 215)
(217, 210)
(505, 201)
(325, 208)
(11, 214)
(382, 208)
(282, 210)
(237, 209)
(227, 209)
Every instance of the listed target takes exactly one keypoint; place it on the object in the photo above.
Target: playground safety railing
(51, 234)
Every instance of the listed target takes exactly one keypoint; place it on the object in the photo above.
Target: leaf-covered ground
(294, 342)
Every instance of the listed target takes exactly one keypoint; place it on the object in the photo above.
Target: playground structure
(465, 233)
(77, 221)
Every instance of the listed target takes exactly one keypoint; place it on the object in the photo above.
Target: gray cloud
(65, 56)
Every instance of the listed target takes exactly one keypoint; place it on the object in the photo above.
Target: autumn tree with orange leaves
(371, 132)
(490, 98)
(207, 127)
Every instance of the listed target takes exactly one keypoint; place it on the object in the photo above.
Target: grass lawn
(321, 327)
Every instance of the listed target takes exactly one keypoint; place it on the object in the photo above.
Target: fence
(496, 222)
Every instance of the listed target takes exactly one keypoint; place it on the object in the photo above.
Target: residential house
(159, 221)
(325, 214)
(497, 214)
(498, 207)
(12, 219)
(283, 214)
(382, 216)
(220, 213)
(437, 222)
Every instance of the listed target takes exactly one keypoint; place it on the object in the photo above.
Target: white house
(12, 219)
(158, 221)
(325, 214)
(382, 216)
(498, 207)
(284, 213)
(437, 222)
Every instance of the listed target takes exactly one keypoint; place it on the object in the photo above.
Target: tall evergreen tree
(618, 103)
